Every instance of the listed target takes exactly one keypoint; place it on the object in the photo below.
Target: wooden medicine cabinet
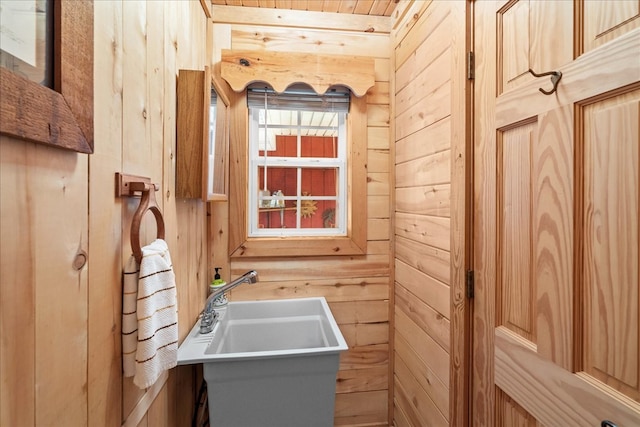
(202, 137)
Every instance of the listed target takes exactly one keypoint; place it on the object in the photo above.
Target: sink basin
(269, 363)
(263, 329)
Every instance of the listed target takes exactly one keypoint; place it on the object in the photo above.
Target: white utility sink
(269, 363)
(273, 328)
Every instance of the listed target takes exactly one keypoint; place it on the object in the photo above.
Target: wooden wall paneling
(379, 93)
(61, 280)
(422, 344)
(383, 69)
(377, 247)
(430, 45)
(366, 334)
(432, 322)
(378, 116)
(361, 409)
(333, 289)
(181, 385)
(405, 18)
(17, 302)
(363, 358)
(37, 276)
(349, 312)
(378, 183)
(413, 147)
(428, 230)
(421, 401)
(424, 112)
(400, 419)
(434, 169)
(404, 404)
(425, 287)
(431, 261)
(303, 40)
(170, 69)
(359, 380)
(106, 225)
(426, 200)
(424, 81)
(135, 139)
(378, 160)
(433, 386)
(155, 108)
(430, 19)
(378, 138)
(390, 230)
(378, 229)
(436, 45)
(313, 267)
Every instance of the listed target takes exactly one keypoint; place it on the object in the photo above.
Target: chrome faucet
(209, 315)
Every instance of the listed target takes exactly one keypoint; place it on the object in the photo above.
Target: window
(306, 240)
(297, 162)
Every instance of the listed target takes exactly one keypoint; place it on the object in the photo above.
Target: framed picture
(56, 109)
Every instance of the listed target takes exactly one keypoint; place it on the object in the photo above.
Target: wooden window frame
(354, 243)
(63, 116)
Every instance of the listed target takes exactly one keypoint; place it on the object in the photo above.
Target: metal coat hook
(555, 79)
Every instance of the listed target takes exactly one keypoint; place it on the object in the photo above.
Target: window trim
(354, 243)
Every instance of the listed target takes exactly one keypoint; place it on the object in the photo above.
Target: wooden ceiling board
(356, 7)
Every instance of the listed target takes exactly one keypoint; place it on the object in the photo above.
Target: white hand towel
(129, 318)
(156, 317)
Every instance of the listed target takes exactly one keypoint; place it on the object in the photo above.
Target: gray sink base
(293, 391)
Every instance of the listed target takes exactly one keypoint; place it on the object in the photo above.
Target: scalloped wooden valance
(282, 69)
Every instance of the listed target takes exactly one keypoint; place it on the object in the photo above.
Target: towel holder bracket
(128, 186)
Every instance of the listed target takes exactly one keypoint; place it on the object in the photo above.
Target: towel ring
(147, 203)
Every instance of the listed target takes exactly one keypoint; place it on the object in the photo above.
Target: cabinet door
(202, 137)
(556, 241)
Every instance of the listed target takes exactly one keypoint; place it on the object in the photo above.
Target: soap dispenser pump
(216, 284)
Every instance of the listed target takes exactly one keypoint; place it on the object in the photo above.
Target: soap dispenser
(217, 283)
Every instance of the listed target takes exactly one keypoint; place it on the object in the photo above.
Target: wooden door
(556, 229)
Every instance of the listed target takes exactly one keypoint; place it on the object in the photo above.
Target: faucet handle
(209, 319)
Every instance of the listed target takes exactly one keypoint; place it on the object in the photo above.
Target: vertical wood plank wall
(60, 359)
(357, 288)
(60, 327)
(428, 101)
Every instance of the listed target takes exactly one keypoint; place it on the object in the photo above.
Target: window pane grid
(316, 154)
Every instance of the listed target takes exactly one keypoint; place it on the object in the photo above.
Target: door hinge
(470, 66)
(470, 284)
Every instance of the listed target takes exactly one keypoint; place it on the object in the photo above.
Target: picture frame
(63, 116)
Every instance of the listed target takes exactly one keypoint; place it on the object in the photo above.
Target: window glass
(297, 170)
